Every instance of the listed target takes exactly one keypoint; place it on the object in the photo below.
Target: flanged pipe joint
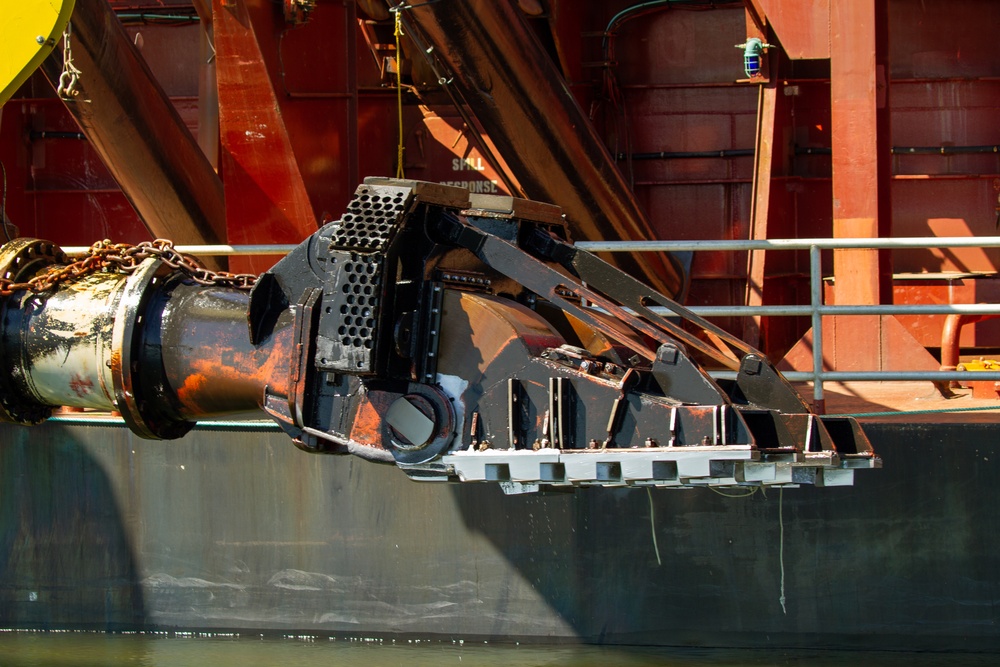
(150, 344)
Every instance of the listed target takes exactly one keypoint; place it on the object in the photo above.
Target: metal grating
(371, 218)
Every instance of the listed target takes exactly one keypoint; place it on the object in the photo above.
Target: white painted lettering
(468, 164)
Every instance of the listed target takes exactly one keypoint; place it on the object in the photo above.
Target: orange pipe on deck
(950, 336)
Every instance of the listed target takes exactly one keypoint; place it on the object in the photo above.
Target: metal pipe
(159, 349)
(951, 333)
(678, 155)
(876, 376)
(487, 56)
(657, 246)
(805, 311)
(794, 244)
(912, 150)
(70, 329)
(210, 366)
(217, 249)
(816, 298)
(137, 132)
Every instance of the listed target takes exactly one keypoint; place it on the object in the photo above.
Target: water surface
(80, 649)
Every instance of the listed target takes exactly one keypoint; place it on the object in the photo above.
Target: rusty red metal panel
(567, 20)
(886, 345)
(677, 46)
(942, 40)
(956, 206)
(803, 28)
(957, 290)
(376, 112)
(57, 185)
(318, 79)
(440, 149)
(167, 50)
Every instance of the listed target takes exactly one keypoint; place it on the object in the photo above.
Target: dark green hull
(242, 532)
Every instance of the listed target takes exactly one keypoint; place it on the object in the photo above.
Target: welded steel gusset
(458, 336)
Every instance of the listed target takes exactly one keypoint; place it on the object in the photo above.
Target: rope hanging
(399, 95)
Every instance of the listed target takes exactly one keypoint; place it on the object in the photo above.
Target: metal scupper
(461, 337)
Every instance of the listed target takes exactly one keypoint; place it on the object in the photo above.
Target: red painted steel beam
(763, 171)
(756, 19)
(861, 147)
(138, 133)
(266, 199)
(859, 133)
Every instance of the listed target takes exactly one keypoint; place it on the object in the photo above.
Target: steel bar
(203, 250)
(794, 244)
(806, 311)
(659, 246)
(877, 376)
(816, 297)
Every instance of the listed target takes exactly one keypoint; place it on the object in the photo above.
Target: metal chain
(70, 74)
(126, 258)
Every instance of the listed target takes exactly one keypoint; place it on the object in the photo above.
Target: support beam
(861, 147)
(762, 172)
(140, 137)
(859, 134)
(489, 58)
(266, 199)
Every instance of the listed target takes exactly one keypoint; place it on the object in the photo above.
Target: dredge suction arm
(460, 337)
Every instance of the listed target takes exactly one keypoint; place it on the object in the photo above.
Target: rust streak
(80, 386)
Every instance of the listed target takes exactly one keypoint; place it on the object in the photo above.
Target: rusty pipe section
(138, 133)
(488, 57)
(152, 345)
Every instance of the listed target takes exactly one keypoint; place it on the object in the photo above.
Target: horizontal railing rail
(816, 309)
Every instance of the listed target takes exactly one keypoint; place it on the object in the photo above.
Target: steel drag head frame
(458, 336)
(462, 337)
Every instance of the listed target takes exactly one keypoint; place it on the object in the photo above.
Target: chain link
(126, 258)
(70, 75)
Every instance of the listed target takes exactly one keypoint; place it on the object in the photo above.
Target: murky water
(38, 649)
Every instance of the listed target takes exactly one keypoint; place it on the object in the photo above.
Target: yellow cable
(399, 95)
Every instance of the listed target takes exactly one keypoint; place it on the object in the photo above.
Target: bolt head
(40, 39)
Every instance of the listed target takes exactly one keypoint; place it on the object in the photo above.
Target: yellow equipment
(28, 32)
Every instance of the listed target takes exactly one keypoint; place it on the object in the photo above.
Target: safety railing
(816, 309)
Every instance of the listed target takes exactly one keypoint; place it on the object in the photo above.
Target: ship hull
(234, 531)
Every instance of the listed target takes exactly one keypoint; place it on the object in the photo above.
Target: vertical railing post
(816, 300)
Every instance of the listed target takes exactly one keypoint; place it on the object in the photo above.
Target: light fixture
(753, 55)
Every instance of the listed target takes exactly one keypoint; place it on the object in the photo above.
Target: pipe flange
(419, 425)
(20, 260)
(138, 409)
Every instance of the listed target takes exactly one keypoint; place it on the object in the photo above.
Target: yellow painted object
(979, 365)
(29, 30)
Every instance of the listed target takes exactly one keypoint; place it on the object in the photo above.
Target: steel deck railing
(817, 309)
